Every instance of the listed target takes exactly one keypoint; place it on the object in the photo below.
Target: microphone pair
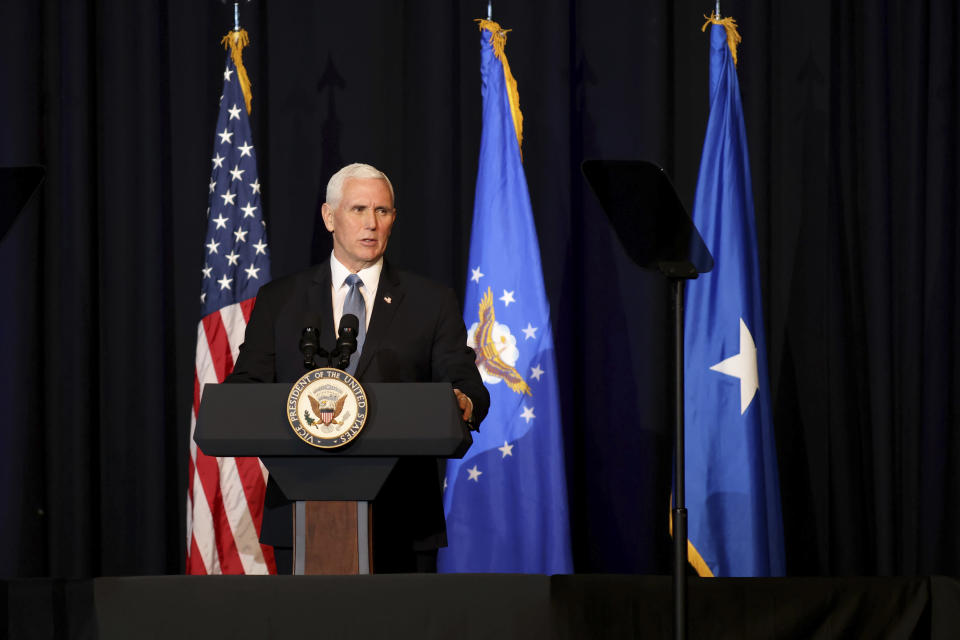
(346, 342)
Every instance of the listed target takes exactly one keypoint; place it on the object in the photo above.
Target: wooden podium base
(332, 538)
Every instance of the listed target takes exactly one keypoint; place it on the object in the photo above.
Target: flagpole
(236, 16)
(679, 487)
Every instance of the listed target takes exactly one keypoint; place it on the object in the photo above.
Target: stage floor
(478, 606)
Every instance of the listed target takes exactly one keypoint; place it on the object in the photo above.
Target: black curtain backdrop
(852, 114)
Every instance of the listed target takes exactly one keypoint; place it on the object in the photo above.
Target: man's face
(361, 222)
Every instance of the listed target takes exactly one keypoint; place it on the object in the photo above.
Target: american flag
(225, 495)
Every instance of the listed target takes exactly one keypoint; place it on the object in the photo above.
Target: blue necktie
(354, 304)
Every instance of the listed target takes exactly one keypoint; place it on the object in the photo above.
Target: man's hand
(465, 404)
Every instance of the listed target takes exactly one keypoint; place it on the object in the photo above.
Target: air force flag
(506, 500)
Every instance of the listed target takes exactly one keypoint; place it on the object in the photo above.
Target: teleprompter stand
(332, 488)
(657, 234)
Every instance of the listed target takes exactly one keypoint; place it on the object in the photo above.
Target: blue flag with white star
(732, 489)
(506, 500)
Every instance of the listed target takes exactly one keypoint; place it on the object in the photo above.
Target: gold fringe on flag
(693, 556)
(698, 563)
(733, 37)
(498, 38)
(237, 40)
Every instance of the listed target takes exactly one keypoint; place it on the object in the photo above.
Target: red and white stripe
(224, 495)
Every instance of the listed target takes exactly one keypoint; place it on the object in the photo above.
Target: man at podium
(410, 330)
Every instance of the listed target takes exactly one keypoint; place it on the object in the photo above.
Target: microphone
(310, 341)
(347, 338)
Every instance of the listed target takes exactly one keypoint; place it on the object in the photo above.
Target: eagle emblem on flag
(494, 346)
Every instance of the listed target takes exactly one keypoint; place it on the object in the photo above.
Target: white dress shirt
(339, 288)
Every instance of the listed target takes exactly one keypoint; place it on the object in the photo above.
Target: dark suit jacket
(418, 336)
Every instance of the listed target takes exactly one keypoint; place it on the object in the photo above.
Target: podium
(332, 488)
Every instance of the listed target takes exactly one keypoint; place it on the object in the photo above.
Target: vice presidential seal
(327, 408)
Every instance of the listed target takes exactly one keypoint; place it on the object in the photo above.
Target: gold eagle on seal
(319, 409)
(488, 353)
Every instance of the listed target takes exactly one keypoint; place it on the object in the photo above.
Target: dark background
(852, 113)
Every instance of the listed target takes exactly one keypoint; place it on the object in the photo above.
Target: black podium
(332, 488)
